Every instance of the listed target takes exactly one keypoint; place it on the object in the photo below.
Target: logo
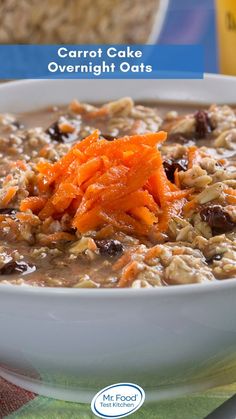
(118, 400)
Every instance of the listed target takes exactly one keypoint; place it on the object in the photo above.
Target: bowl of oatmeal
(117, 212)
(81, 21)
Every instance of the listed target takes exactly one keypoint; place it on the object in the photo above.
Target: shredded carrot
(160, 186)
(99, 113)
(19, 164)
(11, 192)
(154, 252)
(105, 232)
(230, 195)
(120, 183)
(47, 210)
(192, 156)
(231, 199)
(230, 191)
(28, 218)
(222, 161)
(190, 206)
(50, 173)
(136, 199)
(129, 273)
(178, 194)
(60, 236)
(89, 220)
(178, 251)
(176, 178)
(145, 215)
(78, 108)
(125, 222)
(120, 263)
(44, 150)
(66, 128)
(33, 203)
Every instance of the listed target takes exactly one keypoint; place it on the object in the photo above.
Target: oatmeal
(118, 195)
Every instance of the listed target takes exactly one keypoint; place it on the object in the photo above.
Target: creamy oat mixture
(44, 248)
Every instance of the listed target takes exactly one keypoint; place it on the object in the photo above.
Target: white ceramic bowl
(68, 343)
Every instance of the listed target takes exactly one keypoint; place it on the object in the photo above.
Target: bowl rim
(206, 76)
(169, 291)
(173, 290)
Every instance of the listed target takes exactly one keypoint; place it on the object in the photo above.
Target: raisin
(170, 166)
(108, 137)
(61, 137)
(214, 258)
(110, 247)
(8, 211)
(217, 218)
(203, 125)
(56, 134)
(18, 124)
(14, 267)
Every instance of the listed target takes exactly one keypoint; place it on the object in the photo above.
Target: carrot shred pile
(121, 183)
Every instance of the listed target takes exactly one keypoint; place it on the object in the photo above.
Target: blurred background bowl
(80, 21)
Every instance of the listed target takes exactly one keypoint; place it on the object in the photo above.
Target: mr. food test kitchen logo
(118, 400)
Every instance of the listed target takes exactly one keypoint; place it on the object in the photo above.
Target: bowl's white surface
(68, 343)
(33, 94)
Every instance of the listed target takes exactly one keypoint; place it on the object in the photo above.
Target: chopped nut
(87, 283)
(85, 243)
(210, 193)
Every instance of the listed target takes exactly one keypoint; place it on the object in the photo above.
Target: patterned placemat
(18, 403)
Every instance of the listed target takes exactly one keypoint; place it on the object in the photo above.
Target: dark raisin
(18, 124)
(214, 258)
(110, 247)
(170, 166)
(8, 211)
(61, 137)
(108, 137)
(203, 125)
(218, 219)
(56, 134)
(217, 257)
(14, 267)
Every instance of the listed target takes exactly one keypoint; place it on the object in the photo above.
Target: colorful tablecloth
(18, 403)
